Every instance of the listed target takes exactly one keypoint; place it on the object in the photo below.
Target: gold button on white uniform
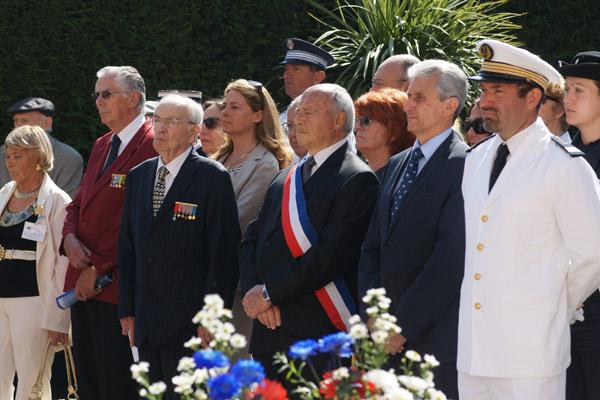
(484, 218)
(477, 277)
(477, 306)
(479, 247)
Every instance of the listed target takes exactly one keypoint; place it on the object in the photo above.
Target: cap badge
(290, 44)
(486, 51)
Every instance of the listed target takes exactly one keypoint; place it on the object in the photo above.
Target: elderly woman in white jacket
(32, 212)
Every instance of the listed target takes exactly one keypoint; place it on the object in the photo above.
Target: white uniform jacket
(519, 290)
(51, 266)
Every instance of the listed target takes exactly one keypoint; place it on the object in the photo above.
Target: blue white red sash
(300, 236)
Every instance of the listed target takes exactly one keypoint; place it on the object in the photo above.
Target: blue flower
(304, 349)
(248, 372)
(210, 359)
(339, 343)
(223, 387)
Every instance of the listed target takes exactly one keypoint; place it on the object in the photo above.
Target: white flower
(200, 394)
(413, 383)
(194, 341)
(137, 369)
(225, 313)
(197, 317)
(143, 392)
(376, 292)
(222, 336)
(200, 375)
(237, 341)
(396, 328)
(228, 327)
(436, 394)
(372, 311)
(367, 298)
(355, 319)
(359, 331)
(389, 317)
(157, 388)
(428, 376)
(382, 324)
(413, 356)
(384, 380)
(383, 305)
(341, 373)
(183, 383)
(213, 301)
(431, 360)
(379, 336)
(398, 393)
(186, 363)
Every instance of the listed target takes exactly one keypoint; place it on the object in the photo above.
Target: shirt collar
(175, 165)
(430, 146)
(130, 130)
(324, 154)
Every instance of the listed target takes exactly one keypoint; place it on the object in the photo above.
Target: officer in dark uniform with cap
(582, 107)
(68, 164)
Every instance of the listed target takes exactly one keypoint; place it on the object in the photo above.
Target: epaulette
(477, 144)
(569, 148)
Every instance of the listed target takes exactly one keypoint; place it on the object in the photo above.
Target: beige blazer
(251, 182)
(51, 267)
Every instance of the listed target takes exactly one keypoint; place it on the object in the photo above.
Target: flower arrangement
(364, 377)
(208, 374)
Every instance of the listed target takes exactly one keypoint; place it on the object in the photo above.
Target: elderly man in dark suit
(285, 269)
(415, 244)
(178, 240)
(102, 355)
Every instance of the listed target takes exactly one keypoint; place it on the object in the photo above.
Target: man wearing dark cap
(531, 257)
(68, 164)
(582, 107)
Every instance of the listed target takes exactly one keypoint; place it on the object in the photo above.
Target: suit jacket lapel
(247, 168)
(182, 181)
(388, 194)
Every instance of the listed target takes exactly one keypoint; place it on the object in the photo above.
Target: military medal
(184, 210)
(117, 181)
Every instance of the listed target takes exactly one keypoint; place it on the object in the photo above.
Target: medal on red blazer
(118, 181)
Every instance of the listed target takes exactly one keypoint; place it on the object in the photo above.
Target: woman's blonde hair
(269, 131)
(35, 141)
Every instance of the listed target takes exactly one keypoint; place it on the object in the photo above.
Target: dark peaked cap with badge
(505, 63)
(298, 51)
(32, 104)
(583, 65)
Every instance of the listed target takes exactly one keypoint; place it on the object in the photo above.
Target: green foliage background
(53, 48)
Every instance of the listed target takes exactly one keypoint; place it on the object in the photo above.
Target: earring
(38, 167)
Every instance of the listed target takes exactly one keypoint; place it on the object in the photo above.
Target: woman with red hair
(381, 127)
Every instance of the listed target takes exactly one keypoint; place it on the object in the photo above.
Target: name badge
(184, 210)
(33, 231)
(118, 181)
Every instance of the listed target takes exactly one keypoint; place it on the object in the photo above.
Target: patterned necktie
(114, 151)
(499, 163)
(407, 179)
(159, 190)
(307, 168)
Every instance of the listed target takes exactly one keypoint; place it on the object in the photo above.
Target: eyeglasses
(211, 122)
(258, 86)
(105, 94)
(288, 126)
(364, 122)
(476, 124)
(168, 122)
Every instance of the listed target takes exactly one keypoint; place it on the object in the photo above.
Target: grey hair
(195, 113)
(340, 102)
(295, 102)
(452, 81)
(129, 79)
(33, 139)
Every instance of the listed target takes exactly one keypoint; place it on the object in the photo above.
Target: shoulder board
(477, 144)
(569, 148)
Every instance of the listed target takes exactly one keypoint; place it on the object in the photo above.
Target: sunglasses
(105, 94)
(258, 86)
(211, 122)
(546, 97)
(476, 124)
(364, 121)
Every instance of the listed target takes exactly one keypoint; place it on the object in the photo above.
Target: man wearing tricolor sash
(299, 258)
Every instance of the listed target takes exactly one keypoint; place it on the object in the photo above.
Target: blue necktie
(408, 177)
(159, 190)
(307, 168)
(114, 152)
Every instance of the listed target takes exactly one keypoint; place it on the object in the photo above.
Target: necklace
(20, 195)
(230, 164)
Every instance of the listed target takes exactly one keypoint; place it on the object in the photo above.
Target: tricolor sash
(300, 236)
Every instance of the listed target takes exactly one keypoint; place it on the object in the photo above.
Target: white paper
(33, 231)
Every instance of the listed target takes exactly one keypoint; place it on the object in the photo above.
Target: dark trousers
(583, 375)
(163, 365)
(101, 353)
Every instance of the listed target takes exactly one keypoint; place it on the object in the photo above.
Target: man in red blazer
(102, 355)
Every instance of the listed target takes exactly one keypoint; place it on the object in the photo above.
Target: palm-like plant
(361, 34)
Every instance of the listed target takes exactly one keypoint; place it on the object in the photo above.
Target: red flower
(328, 386)
(268, 390)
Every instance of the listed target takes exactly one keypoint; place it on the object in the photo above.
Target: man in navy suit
(414, 247)
(289, 258)
(178, 240)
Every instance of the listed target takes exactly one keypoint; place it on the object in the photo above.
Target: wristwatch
(265, 294)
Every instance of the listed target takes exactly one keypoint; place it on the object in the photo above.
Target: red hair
(387, 107)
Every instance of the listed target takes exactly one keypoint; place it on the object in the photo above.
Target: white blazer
(519, 290)
(51, 267)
